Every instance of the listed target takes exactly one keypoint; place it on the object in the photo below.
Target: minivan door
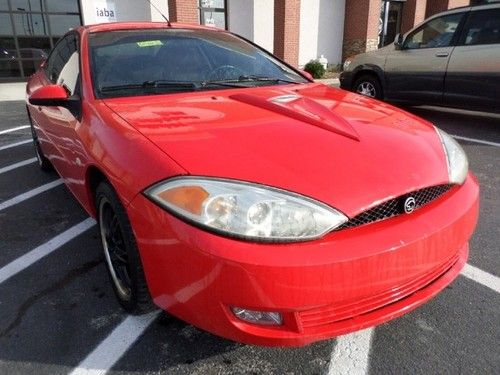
(473, 77)
(416, 71)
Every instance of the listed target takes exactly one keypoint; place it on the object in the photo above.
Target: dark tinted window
(58, 58)
(438, 32)
(192, 57)
(483, 27)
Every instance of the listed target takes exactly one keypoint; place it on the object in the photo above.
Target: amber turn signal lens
(188, 198)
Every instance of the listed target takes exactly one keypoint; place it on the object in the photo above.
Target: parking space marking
(15, 144)
(14, 129)
(482, 277)
(113, 347)
(489, 143)
(26, 260)
(351, 353)
(17, 165)
(29, 194)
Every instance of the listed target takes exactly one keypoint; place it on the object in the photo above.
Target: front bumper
(345, 79)
(343, 282)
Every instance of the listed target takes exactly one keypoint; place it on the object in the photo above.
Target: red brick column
(413, 13)
(185, 11)
(361, 26)
(436, 6)
(286, 30)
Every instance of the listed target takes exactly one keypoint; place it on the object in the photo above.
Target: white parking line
(14, 129)
(29, 194)
(17, 165)
(476, 140)
(23, 262)
(15, 144)
(351, 353)
(113, 347)
(482, 277)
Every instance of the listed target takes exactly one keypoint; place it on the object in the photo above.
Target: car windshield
(157, 61)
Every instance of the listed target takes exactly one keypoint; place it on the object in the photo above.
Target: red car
(240, 196)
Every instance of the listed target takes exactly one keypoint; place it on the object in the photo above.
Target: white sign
(105, 11)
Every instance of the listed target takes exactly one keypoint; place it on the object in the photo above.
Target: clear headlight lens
(458, 165)
(347, 62)
(246, 210)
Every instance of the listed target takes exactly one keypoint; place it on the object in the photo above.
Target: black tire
(368, 85)
(43, 162)
(121, 253)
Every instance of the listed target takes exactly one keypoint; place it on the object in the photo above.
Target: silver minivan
(451, 59)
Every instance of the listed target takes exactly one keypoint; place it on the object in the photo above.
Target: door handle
(442, 54)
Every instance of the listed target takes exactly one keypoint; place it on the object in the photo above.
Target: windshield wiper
(264, 79)
(223, 82)
(150, 84)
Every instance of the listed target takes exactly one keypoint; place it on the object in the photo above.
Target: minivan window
(483, 27)
(438, 32)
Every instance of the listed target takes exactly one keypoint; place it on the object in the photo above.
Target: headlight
(458, 166)
(246, 210)
(347, 62)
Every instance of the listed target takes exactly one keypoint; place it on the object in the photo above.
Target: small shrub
(315, 69)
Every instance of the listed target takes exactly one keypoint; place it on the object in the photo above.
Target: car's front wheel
(121, 253)
(368, 85)
(43, 162)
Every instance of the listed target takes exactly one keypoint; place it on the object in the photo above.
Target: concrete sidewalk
(16, 90)
(12, 91)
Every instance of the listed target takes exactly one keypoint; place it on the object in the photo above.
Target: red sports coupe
(240, 196)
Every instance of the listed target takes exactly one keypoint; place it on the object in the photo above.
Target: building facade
(298, 31)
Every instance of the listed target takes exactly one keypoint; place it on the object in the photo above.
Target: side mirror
(307, 75)
(399, 41)
(51, 95)
(57, 96)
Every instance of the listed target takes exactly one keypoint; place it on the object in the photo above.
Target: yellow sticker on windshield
(149, 43)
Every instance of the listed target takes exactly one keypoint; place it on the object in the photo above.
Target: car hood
(343, 149)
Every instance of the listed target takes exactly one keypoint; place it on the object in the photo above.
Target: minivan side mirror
(399, 41)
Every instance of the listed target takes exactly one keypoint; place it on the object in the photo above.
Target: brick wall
(436, 6)
(413, 13)
(185, 11)
(286, 30)
(360, 26)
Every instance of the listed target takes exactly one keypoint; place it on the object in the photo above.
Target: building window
(213, 13)
(28, 31)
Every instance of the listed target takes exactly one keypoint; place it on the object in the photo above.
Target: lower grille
(394, 207)
(341, 311)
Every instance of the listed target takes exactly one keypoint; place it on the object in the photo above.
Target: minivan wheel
(121, 253)
(368, 85)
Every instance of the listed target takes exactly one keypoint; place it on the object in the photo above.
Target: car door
(60, 124)
(473, 77)
(416, 71)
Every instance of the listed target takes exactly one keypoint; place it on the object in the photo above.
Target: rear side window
(482, 27)
(438, 32)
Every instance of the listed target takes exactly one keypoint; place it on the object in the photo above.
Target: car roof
(112, 26)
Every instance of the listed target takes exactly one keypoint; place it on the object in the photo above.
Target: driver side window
(59, 57)
(438, 32)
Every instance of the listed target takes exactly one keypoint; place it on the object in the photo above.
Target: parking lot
(58, 314)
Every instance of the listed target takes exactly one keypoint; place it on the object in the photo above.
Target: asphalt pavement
(58, 314)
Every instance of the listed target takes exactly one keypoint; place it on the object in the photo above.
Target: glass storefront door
(29, 30)
(213, 13)
(390, 21)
